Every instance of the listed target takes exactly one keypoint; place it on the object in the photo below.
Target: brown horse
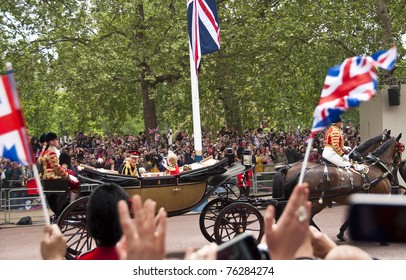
(329, 183)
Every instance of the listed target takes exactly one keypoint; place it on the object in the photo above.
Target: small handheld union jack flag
(349, 83)
(204, 29)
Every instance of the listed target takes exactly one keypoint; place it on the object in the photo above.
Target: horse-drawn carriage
(220, 219)
(231, 212)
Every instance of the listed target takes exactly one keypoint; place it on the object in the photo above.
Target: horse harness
(363, 172)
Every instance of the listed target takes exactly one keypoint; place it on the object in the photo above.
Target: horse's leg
(316, 208)
(343, 228)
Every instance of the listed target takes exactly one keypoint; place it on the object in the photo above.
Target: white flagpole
(41, 194)
(306, 158)
(197, 132)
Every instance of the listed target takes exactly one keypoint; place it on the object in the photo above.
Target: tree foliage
(123, 66)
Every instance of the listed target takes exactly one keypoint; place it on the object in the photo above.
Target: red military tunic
(51, 167)
(334, 138)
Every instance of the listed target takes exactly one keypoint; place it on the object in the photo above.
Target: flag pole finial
(9, 66)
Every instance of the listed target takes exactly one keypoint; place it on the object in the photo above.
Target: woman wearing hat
(334, 144)
(53, 170)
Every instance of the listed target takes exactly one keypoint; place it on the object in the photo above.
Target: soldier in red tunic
(334, 144)
(53, 170)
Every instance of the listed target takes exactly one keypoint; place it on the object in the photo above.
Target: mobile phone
(377, 217)
(241, 247)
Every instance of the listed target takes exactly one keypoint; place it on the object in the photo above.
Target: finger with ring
(301, 213)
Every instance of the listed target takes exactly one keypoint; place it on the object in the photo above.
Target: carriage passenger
(334, 145)
(131, 166)
(172, 166)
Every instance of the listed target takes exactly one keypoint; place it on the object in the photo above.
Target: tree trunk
(387, 40)
(232, 111)
(148, 105)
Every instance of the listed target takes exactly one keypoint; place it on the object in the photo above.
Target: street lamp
(230, 156)
(247, 158)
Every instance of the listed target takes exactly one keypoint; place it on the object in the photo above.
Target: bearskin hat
(337, 119)
(42, 138)
(64, 158)
(51, 136)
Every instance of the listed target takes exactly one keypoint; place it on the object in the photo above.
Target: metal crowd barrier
(262, 182)
(3, 219)
(18, 204)
(15, 203)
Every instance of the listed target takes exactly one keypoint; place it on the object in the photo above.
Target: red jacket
(240, 178)
(100, 253)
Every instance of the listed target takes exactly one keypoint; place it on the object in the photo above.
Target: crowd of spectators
(270, 146)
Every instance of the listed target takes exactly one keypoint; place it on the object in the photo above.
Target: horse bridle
(384, 166)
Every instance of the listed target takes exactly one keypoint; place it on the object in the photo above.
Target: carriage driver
(53, 170)
(131, 167)
(334, 144)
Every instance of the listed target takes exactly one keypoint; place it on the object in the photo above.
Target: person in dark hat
(131, 166)
(40, 157)
(334, 143)
(52, 168)
(64, 160)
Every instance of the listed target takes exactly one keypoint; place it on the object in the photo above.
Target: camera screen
(378, 222)
(242, 247)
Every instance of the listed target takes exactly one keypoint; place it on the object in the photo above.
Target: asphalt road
(22, 242)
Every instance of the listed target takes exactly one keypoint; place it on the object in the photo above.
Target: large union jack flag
(349, 83)
(204, 29)
(14, 143)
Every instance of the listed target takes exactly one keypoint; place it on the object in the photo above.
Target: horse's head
(389, 153)
(370, 145)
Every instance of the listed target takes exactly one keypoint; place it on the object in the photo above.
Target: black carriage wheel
(209, 215)
(237, 218)
(73, 225)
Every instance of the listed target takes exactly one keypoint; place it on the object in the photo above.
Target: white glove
(347, 149)
(346, 157)
(165, 163)
(73, 179)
